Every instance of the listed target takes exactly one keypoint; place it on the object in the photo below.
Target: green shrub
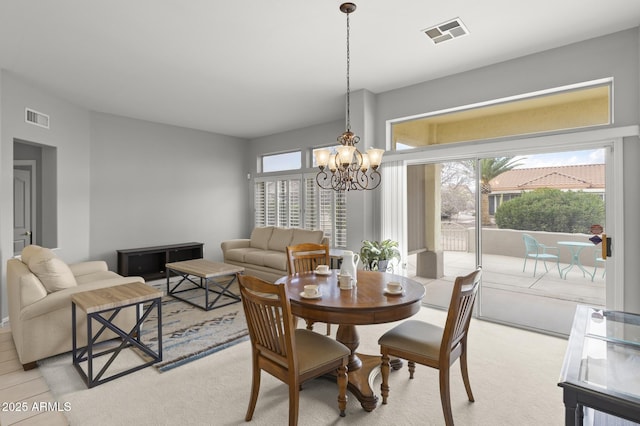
(551, 210)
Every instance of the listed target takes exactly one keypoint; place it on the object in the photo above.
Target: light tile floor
(24, 395)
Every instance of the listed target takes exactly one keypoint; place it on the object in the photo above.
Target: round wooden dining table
(366, 303)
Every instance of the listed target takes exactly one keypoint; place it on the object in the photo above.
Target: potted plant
(376, 255)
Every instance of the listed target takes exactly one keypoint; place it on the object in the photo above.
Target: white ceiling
(255, 67)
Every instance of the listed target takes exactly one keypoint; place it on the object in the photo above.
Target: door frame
(591, 139)
(31, 165)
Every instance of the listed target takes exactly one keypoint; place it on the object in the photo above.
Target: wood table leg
(362, 368)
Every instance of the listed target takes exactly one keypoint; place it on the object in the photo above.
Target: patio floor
(545, 302)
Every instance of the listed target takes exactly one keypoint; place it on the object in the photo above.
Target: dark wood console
(148, 262)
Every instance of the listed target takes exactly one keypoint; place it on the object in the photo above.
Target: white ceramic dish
(304, 295)
(386, 290)
(322, 273)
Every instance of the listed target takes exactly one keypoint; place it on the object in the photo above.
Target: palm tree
(491, 168)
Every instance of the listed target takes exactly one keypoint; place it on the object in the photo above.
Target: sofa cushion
(260, 237)
(255, 257)
(275, 260)
(280, 239)
(306, 236)
(238, 254)
(54, 274)
(28, 252)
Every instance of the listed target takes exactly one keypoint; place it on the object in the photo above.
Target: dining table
(367, 302)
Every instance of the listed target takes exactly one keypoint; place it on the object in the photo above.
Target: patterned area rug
(189, 332)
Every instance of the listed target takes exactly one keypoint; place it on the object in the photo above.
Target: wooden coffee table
(103, 305)
(208, 273)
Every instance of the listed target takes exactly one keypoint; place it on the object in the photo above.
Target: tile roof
(587, 176)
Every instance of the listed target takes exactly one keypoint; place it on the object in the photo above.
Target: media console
(148, 262)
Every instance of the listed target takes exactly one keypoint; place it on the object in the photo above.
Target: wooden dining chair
(431, 345)
(289, 354)
(306, 257)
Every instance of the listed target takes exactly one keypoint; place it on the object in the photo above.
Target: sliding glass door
(543, 216)
(534, 223)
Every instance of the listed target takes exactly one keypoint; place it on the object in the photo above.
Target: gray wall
(122, 183)
(69, 133)
(154, 184)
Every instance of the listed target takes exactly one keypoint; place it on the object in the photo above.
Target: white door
(21, 210)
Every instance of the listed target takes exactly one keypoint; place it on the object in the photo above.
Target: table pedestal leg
(363, 369)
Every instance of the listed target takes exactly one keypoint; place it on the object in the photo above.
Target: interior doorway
(24, 204)
(35, 206)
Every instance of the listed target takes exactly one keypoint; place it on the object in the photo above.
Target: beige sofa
(39, 289)
(264, 254)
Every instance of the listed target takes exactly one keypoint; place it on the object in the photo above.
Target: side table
(103, 305)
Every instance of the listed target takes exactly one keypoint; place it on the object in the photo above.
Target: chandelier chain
(348, 79)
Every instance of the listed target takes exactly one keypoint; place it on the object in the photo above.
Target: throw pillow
(28, 252)
(52, 272)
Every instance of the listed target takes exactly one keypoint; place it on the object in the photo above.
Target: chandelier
(348, 166)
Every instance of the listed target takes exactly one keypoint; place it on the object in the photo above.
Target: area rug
(189, 332)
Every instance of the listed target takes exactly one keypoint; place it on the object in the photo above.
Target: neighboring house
(508, 185)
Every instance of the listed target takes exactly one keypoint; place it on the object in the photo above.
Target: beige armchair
(39, 289)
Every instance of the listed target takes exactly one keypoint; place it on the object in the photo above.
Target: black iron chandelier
(348, 166)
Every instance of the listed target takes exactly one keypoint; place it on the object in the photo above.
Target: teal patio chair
(598, 260)
(537, 251)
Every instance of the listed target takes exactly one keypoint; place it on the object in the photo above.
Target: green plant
(373, 253)
(551, 210)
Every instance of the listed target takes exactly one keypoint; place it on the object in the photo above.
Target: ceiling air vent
(446, 31)
(36, 118)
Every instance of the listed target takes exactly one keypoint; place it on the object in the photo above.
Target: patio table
(575, 248)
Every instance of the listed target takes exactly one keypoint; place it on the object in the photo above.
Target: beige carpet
(513, 375)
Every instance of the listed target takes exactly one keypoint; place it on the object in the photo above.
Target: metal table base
(219, 289)
(129, 339)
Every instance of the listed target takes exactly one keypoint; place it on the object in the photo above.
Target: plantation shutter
(271, 203)
(259, 203)
(340, 219)
(310, 204)
(301, 203)
(295, 207)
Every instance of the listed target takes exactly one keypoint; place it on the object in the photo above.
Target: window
(560, 109)
(280, 162)
(299, 202)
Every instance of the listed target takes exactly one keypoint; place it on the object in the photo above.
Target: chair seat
(315, 350)
(417, 337)
(543, 256)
